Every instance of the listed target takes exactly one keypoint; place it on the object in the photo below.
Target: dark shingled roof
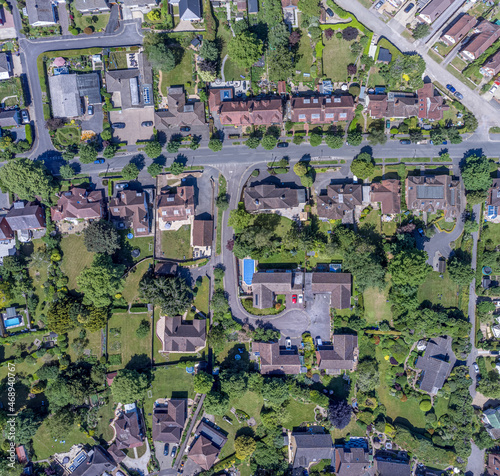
(128, 431)
(25, 217)
(169, 422)
(312, 448)
(276, 359)
(494, 193)
(339, 199)
(339, 355)
(272, 197)
(384, 55)
(98, 462)
(351, 461)
(392, 467)
(436, 364)
(183, 336)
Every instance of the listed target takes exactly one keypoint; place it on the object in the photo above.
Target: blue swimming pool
(12, 321)
(248, 270)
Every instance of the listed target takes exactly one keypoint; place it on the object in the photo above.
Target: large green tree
(309, 7)
(476, 173)
(239, 219)
(409, 267)
(460, 271)
(101, 237)
(27, 179)
(129, 386)
(216, 403)
(160, 55)
(87, 153)
(362, 166)
(368, 377)
(203, 382)
(245, 49)
(275, 392)
(58, 316)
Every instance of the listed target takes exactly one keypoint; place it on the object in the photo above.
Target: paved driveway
(318, 311)
(94, 122)
(165, 461)
(133, 118)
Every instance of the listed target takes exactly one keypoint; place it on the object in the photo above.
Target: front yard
(11, 92)
(68, 135)
(82, 22)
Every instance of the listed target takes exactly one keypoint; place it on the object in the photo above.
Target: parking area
(297, 297)
(402, 17)
(164, 461)
(133, 118)
(93, 122)
(318, 311)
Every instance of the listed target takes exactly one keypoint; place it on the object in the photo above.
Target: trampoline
(130, 236)
(135, 253)
(248, 270)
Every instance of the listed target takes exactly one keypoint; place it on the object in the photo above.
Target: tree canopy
(339, 413)
(159, 54)
(152, 149)
(101, 237)
(129, 386)
(130, 171)
(476, 173)
(245, 49)
(362, 166)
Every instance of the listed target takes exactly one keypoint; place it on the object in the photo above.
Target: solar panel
(147, 97)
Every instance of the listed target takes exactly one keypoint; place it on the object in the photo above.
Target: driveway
(133, 118)
(62, 13)
(138, 464)
(165, 461)
(318, 311)
(113, 19)
(94, 122)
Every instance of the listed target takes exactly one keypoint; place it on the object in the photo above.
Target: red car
(294, 299)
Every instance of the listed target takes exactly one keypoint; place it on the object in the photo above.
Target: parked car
(329, 12)
(288, 343)
(99, 161)
(90, 110)
(409, 7)
(301, 298)
(388, 124)
(147, 124)
(319, 342)
(119, 125)
(494, 87)
(174, 450)
(282, 145)
(450, 88)
(459, 95)
(165, 450)
(25, 116)
(185, 129)
(476, 367)
(421, 231)
(405, 142)
(121, 186)
(379, 4)
(294, 298)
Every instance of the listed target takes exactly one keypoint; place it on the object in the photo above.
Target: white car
(494, 87)
(288, 343)
(379, 4)
(476, 367)
(319, 342)
(301, 298)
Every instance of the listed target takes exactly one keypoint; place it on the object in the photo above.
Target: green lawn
(122, 339)
(373, 219)
(376, 306)
(336, 57)
(145, 244)
(68, 135)
(383, 43)
(299, 413)
(389, 228)
(434, 286)
(172, 381)
(491, 231)
(94, 343)
(176, 244)
(202, 297)
(75, 257)
(375, 79)
(304, 57)
(233, 72)
(131, 288)
(118, 60)
(81, 21)
(11, 87)
(182, 74)
(442, 48)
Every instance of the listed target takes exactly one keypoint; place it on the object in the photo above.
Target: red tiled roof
(79, 203)
(176, 206)
(254, 112)
(388, 194)
(322, 109)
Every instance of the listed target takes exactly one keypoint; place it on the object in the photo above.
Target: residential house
(276, 359)
(377, 105)
(459, 29)
(177, 335)
(393, 104)
(7, 242)
(25, 218)
(166, 268)
(81, 461)
(41, 12)
(68, 93)
(492, 65)
(77, 204)
(180, 113)
(169, 421)
(176, 206)
(341, 355)
(432, 193)
(352, 459)
(493, 465)
(143, 6)
(10, 118)
(436, 364)
(272, 197)
(92, 7)
(217, 96)
(340, 201)
(430, 105)
(130, 210)
(261, 112)
(491, 420)
(388, 194)
(485, 34)
(5, 66)
(494, 194)
(433, 10)
(311, 446)
(128, 428)
(190, 10)
(124, 85)
(6, 232)
(389, 463)
(252, 6)
(384, 56)
(117, 454)
(265, 286)
(290, 12)
(202, 232)
(207, 446)
(322, 109)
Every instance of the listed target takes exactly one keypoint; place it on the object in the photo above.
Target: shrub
(88, 30)
(29, 133)
(425, 405)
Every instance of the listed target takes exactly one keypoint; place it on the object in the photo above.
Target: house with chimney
(492, 65)
(273, 197)
(339, 356)
(177, 335)
(387, 195)
(266, 286)
(27, 219)
(180, 112)
(431, 193)
(92, 7)
(430, 105)
(169, 420)
(322, 109)
(128, 427)
(493, 200)
(353, 458)
(308, 447)
(276, 359)
(41, 12)
(392, 463)
(207, 444)
(258, 112)
(77, 204)
(484, 35)
(202, 235)
(458, 30)
(175, 207)
(83, 460)
(433, 10)
(493, 465)
(340, 200)
(129, 210)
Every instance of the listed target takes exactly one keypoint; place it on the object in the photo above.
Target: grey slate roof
(125, 82)
(183, 336)
(4, 63)
(272, 197)
(64, 95)
(97, 463)
(384, 55)
(190, 10)
(84, 5)
(339, 355)
(28, 217)
(89, 86)
(436, 364)
(393, 467)
(169, 422)
(40, 11)
(312, 448)
(253, 6)
(9, 118)
(351, 461)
